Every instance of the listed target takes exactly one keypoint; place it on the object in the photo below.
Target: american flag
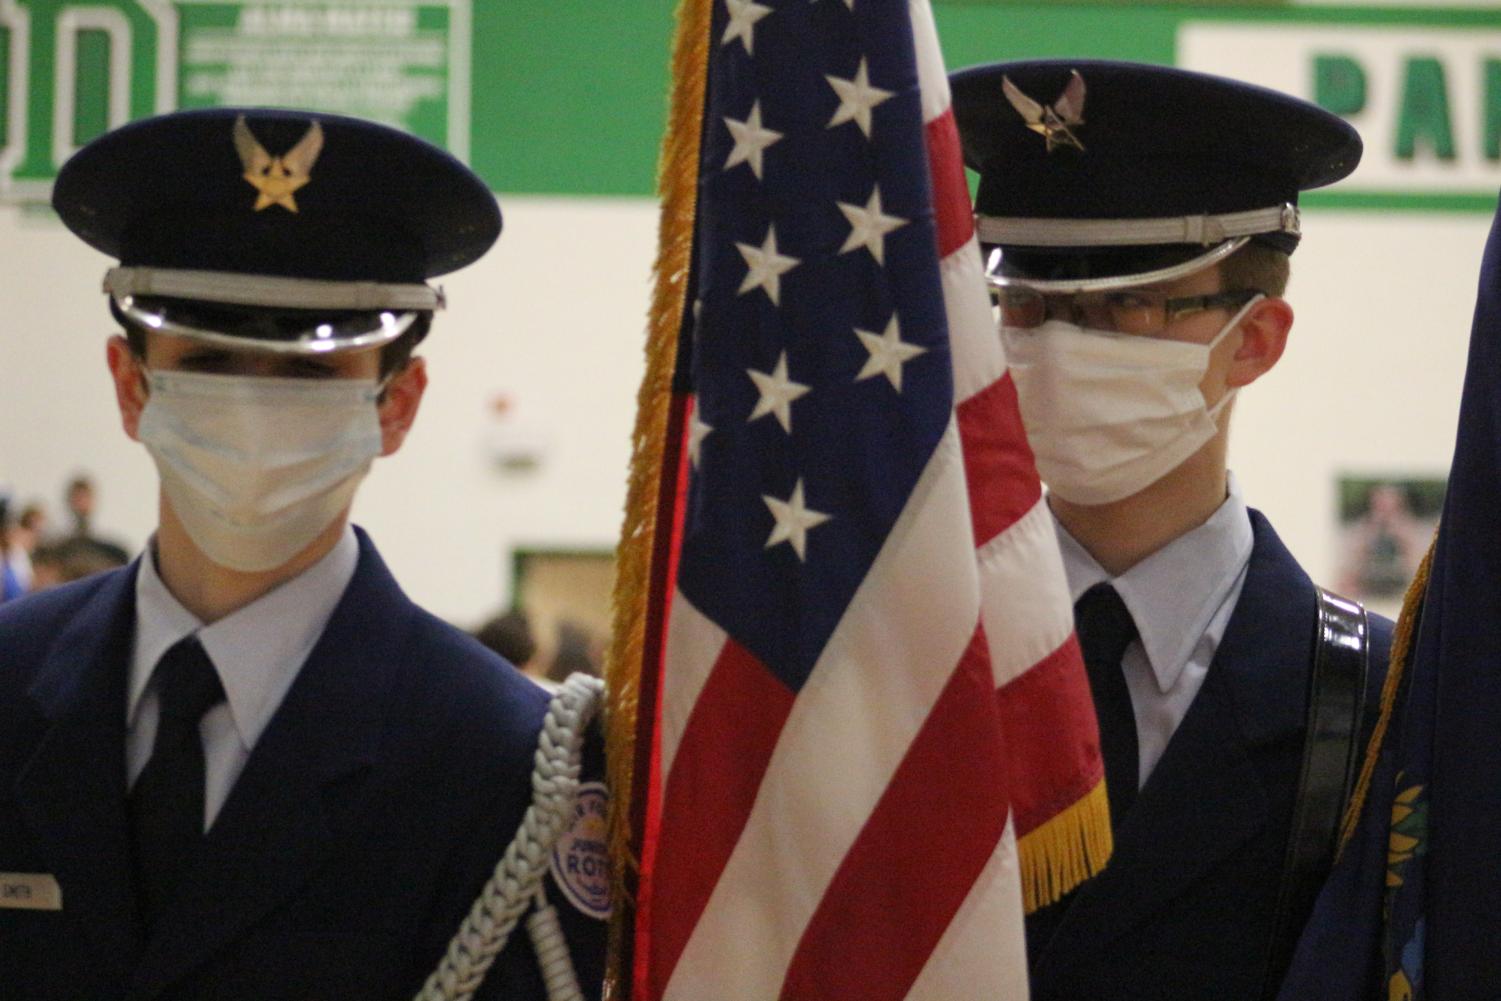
(870, 682)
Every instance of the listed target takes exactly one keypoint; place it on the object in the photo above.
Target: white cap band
(1205, 230)
(238, 289)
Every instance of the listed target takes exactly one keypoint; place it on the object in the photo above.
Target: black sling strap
(1332, 744)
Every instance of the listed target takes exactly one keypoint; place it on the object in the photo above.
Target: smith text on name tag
(30, 891)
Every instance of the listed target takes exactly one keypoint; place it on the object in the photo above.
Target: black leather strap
(1331, 747)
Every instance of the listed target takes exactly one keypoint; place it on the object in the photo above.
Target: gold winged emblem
(277, 178)
(1054, 123)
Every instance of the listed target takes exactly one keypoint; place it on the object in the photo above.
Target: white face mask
(256, 467)
(1109, 414)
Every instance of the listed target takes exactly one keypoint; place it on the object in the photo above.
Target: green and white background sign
(1427, 100)
(73, 70)
(559, 106)
(407, 65)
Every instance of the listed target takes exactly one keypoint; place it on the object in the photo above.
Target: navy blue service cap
(283, 230)
(1100, 172)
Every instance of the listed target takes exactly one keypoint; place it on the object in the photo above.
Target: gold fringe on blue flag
(1403, 639)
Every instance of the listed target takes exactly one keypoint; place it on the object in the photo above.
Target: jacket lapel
(1207, 797)
(71, 792)
(301, 781)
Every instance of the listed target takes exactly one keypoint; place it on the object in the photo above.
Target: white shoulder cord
(517, 881)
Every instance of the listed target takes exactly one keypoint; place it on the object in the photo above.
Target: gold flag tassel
(677, 185)
(1403, 639)
(1067, 849)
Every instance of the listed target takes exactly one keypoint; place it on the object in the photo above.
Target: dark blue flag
(1413, 908)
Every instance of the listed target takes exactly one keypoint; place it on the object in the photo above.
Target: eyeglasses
(1143, 311)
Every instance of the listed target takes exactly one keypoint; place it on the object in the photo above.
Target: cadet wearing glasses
(1137, 223)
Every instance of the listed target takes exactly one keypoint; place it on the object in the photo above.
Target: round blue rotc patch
(580, 858)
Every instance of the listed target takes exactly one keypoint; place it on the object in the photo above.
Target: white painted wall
(1371, 379)
(553, 319)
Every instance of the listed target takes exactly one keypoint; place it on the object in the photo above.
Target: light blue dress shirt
(1181, 598)
(258, 651)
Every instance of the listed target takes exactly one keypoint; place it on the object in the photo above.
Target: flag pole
(642, 582)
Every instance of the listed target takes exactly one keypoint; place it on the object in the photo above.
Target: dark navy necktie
(1105, 630)
(166, 803)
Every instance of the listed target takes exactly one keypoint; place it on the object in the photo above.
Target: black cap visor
(264, 329)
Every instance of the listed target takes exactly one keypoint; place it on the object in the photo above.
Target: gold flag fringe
(1402, 644)
(1066, 850)
(677, 184)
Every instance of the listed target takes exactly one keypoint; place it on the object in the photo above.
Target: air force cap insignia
(277, 178)
(1055, 122)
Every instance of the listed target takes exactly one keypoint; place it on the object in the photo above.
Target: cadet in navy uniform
(247, 766)
(1137, 222)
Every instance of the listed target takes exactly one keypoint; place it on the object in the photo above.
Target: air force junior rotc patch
(580, 861)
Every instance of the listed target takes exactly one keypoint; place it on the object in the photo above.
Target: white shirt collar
(1173, 594)
(258, 649)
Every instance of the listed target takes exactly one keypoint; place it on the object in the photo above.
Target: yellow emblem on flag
(1409, 829)
(277, 178)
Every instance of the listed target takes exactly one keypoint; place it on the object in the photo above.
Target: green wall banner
(73, 70)
(568, 96)
(405, 64)
(1427, 101)
(1421, 83)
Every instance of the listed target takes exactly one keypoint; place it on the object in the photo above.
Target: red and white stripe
(1042, 691)
(857, 840)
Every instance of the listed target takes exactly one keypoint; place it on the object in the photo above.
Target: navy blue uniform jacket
(1185, 909)
(365, 822)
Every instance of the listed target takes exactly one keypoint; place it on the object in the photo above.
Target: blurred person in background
(25, 532)
(67, 560)
(78, 496)
(47, 568)
(577, 650)
(1383, 547)
(11, 583)
(81, 500)
(510, 635)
